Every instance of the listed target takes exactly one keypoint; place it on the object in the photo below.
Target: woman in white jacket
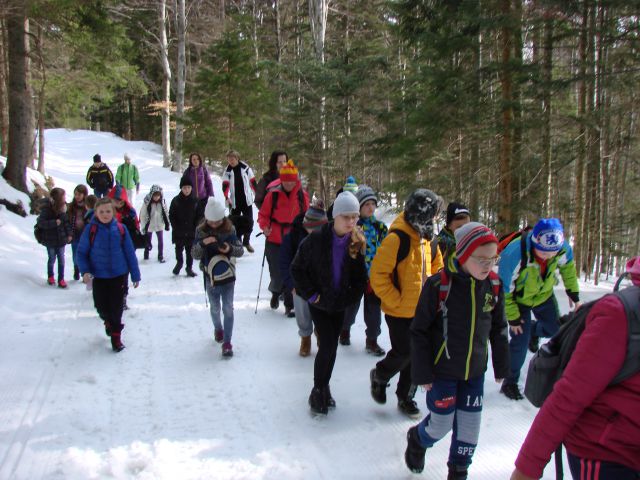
(154, 217)
(239, 188)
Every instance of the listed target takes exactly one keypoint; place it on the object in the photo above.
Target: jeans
(159, 236)
(55, 252)
(221, 294)
(372, 316)
(454, 405)
(74, 248)
(547, 324)
(303, 316)
(398, 359)
(328, 325)
(585, 469)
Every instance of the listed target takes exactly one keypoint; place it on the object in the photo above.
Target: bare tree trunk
(41, 103)
(176, 163)
(20, 101)
(166, 85)
(505, 220)
(4, 100)
(547, 77)
(278, 32)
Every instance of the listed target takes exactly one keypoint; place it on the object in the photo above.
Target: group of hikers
(445, 296)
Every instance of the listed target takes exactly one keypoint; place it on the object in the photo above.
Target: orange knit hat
(289, 172)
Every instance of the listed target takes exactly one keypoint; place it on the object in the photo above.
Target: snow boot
(177, 268)
(372, 347)
(62, 283)
(51, 281)
(511, 391)
(249, 248)
(415, 452)
(275, 301)
(457, 472)
(107, 328)
(218, 335)
(161, 259)
(317, 403)
(288, 311)
(378, 387)
(534, 343)
(345, 337)
(227, 350)
(191, 273)
(146, 254)
(409, 407)
(328, 399)
(76, 273)
(116, 343)
(305, 346)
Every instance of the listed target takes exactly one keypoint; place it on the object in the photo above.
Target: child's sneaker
(218, 335)
(378, 387)
(62, 283)
(414, 454)
(227, 350)
(191, 273)
(51, 281)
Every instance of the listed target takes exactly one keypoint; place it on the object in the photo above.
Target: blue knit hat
(548, 235)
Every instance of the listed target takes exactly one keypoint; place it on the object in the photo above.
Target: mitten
(358, 243)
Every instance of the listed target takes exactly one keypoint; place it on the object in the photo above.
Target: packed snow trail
(169, 406)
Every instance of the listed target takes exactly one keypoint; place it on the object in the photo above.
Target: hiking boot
(218, 335)
(62, 283)
(227, 350)
(275, 301)
(249, 248)
(328, 399)
(191, 273)
(146, 254)
(76, 273)
(372, 347)
(288, 311)
(415, 452)
(511, 391)
(457, 472)
(409, 407)
(345, 337)
(305, 346)
(534, 343)
(317, 403)
(177, 268)
(116, 343)
(378, 387)
(161, 260)
(51, 281)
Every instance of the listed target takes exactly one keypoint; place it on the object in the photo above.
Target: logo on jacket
(488, 302)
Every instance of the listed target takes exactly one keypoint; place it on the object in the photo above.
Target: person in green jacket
(127, 175)
(528, 268)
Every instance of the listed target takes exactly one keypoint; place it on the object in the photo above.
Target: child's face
(215, 223)
(344, 224)
(156, 196)
(544, 255)
(481, 261)
(78, 196)
(186, 190)
(105, 213)
(368, 208)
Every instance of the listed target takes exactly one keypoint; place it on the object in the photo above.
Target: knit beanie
(454, 209)
(214, 211)
(346, 203)
(548, 235)
(184, 181)
(366, 193)
(97, 158)
(350, 185)
(469, 237)
(155, 189)
(315, 217)
(289, 172)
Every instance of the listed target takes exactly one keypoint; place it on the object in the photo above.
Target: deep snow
(169, 406)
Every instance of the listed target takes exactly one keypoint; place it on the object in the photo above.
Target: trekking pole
(264, 255)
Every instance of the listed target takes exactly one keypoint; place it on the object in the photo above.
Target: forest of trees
(519, 108)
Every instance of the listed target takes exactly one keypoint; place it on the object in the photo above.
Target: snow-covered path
(169, 406)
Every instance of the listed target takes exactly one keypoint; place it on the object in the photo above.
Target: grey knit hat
(346, 203)
(366, 193)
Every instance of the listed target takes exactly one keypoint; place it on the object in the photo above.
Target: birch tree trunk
(166, 85)
(180, 84)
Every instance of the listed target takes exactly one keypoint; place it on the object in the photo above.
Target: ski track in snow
(169, 406)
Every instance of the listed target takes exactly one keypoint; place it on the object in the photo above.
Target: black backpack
(38, 232)
(548, 364)
(403, 252)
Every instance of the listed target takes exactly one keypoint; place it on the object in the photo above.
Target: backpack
(137, 237)
(403, 252)
(221, 269)
(506, 239)
(38, 232)
(548, 364)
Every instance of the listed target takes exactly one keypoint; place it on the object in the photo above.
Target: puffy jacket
(312, 272)
(100, 177)
(55, 235)
(154, 216)
(76, 214)
(263, 184)
(474, 318)
(287, 207)
(374, 231)
(182, 215)
(229, 184)
(225, 233)
(127, 175)
(289, 248)
(111, 255)
(413, 271)
(592, 419)
(200, 181)
(527, 286)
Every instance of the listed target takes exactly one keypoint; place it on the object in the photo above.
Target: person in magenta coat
(598, 424)
(198, 174)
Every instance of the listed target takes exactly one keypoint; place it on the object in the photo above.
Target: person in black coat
(183, 218)
(56, 233)
(277, 160)
(99, 177)
(329, 272)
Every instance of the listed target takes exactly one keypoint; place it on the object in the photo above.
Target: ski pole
(264, 255)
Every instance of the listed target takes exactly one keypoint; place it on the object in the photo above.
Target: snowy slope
(169, 406)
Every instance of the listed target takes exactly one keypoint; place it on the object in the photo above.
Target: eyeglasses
(486, 262)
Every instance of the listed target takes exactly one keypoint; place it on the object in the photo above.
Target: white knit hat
(214, 210)
(346, 203)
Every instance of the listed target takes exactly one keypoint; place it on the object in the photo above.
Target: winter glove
(358, 243)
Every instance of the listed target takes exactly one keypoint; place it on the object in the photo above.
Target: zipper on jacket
(473, 326)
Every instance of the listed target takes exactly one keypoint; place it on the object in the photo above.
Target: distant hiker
(216, 246)
(57, 231)
(374, 231)
(106, 257)
(277, 160)
(182, 215)
(350, 186)
(127, 175)
(239, 187)
(460, 311)
(202, 188)
(457, 216)
(400, 268)
(305, 223)
(281, 205)
(154, 217)
(330, 274)
(76, 212)
(528, 269)
(99, 177)
(90, 203)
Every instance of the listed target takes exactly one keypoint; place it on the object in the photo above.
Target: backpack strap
(630, 298)
(434, 249)
(403, 252)
(92, 233)
(496, 285)
(443, 294)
